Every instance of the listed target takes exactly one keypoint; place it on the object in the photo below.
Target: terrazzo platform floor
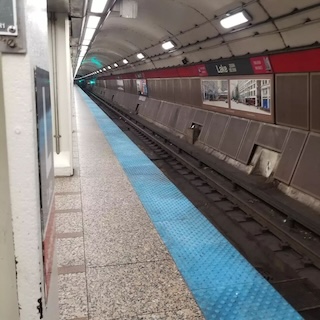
(112, 262)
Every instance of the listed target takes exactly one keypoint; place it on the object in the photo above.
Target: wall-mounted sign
(256, 65)
(8, 18)
(230, 67)
(202, 71)
(261, 65)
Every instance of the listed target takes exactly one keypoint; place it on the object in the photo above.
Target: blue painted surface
(222, 281)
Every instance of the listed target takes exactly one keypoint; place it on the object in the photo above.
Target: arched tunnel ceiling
(195, 28)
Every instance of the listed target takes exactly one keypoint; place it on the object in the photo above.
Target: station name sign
(248, 66)
(8, 18)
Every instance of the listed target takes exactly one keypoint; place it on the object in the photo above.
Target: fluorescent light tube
(104, 69)
(93, 22)
(235, 20)
(86, 42)
(116, 65)
(109, 67)
(89, 34)
(125, 61)
(140, 56)
(168, 45)
(98, 6)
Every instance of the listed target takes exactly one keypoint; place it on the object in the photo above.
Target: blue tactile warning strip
(222, 281)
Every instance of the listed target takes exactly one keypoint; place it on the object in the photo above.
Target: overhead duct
(129, 9)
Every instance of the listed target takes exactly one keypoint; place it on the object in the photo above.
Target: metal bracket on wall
(12, 27)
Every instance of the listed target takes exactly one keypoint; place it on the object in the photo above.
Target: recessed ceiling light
(93, 22)
(116, 65)
(125, 61)
(168, 45)
(98, 6)
(140, 56)
(104, 69)
(109, 67)
(235, 19)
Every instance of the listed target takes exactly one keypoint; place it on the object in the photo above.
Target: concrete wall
(21, 130)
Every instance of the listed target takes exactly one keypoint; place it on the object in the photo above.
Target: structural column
(26, 173)
(61, 92)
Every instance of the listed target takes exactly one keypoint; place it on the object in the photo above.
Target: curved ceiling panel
(278, 8)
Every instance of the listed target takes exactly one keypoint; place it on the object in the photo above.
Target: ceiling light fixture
(104, 69)
(140, 56)
(235, 19)
(109, 67)
(86, 42)
(168, 45)
(93, 22)
(98, 6)
(116, 65)
(125, 61)
(89, 34)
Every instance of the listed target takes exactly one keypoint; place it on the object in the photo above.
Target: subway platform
(131, 246)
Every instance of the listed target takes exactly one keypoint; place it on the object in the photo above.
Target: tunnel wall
(290, 133)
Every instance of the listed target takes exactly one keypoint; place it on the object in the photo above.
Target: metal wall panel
(184, 116)
(151, 88)
(195, 89)
(290, 155)
(233, 136)
(174, 117)
(292, 100)
(248, 142)
(153, 107)
(200, 117)
(185, 91)
(205, 128)
(170, 108)
(163, 110)
(306, 176)
(170, 90)
(272, 137)
(217, 128)
(177, 91)
(315, 102)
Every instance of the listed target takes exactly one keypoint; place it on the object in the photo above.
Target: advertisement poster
(250, 94)
(142, 87)
(45, 156)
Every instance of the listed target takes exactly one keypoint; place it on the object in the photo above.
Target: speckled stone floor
(112, 262)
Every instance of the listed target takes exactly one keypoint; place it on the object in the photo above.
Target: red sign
(202, 70)
(261, 65)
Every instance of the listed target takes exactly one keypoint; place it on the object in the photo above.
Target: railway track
(284, 251)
